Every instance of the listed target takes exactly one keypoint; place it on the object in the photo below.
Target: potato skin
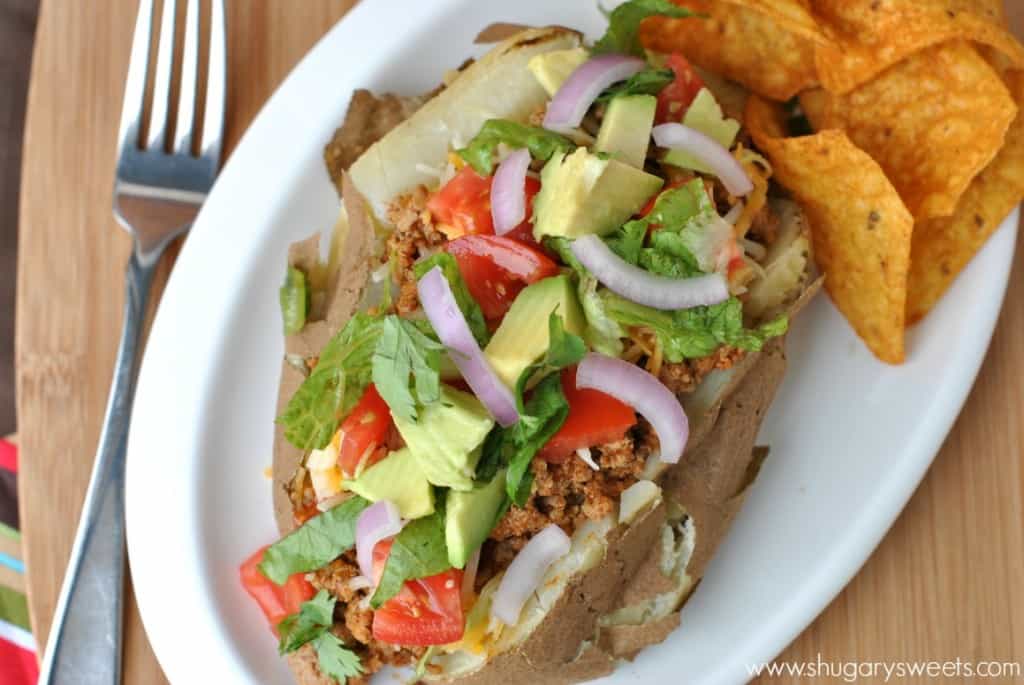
(568, 646)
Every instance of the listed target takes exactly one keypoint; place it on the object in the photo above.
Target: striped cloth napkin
(17, 647)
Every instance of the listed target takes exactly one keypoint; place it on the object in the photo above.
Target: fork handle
(85, 636)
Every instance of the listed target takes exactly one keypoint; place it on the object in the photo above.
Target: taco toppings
(540, 305)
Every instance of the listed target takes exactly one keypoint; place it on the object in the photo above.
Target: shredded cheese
(759, 171)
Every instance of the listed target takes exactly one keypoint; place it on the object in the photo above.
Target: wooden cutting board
(945, 583)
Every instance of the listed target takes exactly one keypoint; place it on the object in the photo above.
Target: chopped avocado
(470, 517)
(581, 193)
(553, 68)
(626, 128)
(522, 337)
(706, 116)
(447, 437)
(399, 478)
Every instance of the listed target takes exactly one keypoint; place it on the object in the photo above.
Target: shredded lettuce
(624, 25)
(335, 385)
(315, 543)
(541, 143)
(646, 82)
(406, 367)
(418, 551)
(294, 297)
(603, 333)
(683, 217)
(698, 331)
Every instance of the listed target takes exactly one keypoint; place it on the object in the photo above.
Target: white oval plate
(850, 437)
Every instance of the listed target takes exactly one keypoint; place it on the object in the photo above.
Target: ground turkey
(684, 377)
(414, 237)
(568, 494)
(353, 623)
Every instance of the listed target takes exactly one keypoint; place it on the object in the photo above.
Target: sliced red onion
(508, 192)
(469, 577)
(645, 393)
(573, 99)
(526, 572)
(377, 522)
(443, 312)
(584, 454)
(707, 150)
(643, 287)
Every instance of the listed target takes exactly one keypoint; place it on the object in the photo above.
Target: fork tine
(187, 95)
(135, 84)
(213, 116)
(162, 80)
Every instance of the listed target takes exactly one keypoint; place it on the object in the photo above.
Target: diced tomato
(364, 431)
(496, 268)
(594, 419)
(463, 205)
(426, 612)
(304, 513)
(675, 98)
(276, 601)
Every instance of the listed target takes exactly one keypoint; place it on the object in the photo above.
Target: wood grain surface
(947, 582)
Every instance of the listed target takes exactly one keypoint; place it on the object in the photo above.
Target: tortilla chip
(368, 119)
(941, 248)
(869, 36)
(796, 16)
(932, 122)
(860, 228)
(743, 44)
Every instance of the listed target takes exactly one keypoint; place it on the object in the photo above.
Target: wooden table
(947, 582)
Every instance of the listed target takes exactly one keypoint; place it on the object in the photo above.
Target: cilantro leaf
(311, 625)
(294, 298)
(335, 660)
(698, 331)
(544, 413)
(564, 348)
(403, 352)
(418, 551)
(315, 543)
(624, 25)
(541, 143)
(540, 417)
(467, 305)
(491, 456)
(314, 617)
(337, 382)
(646, 82)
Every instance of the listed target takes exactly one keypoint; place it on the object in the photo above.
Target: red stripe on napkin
(17, 666)
(8, 456)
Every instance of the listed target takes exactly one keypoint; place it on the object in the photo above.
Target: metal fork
(156, 197)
